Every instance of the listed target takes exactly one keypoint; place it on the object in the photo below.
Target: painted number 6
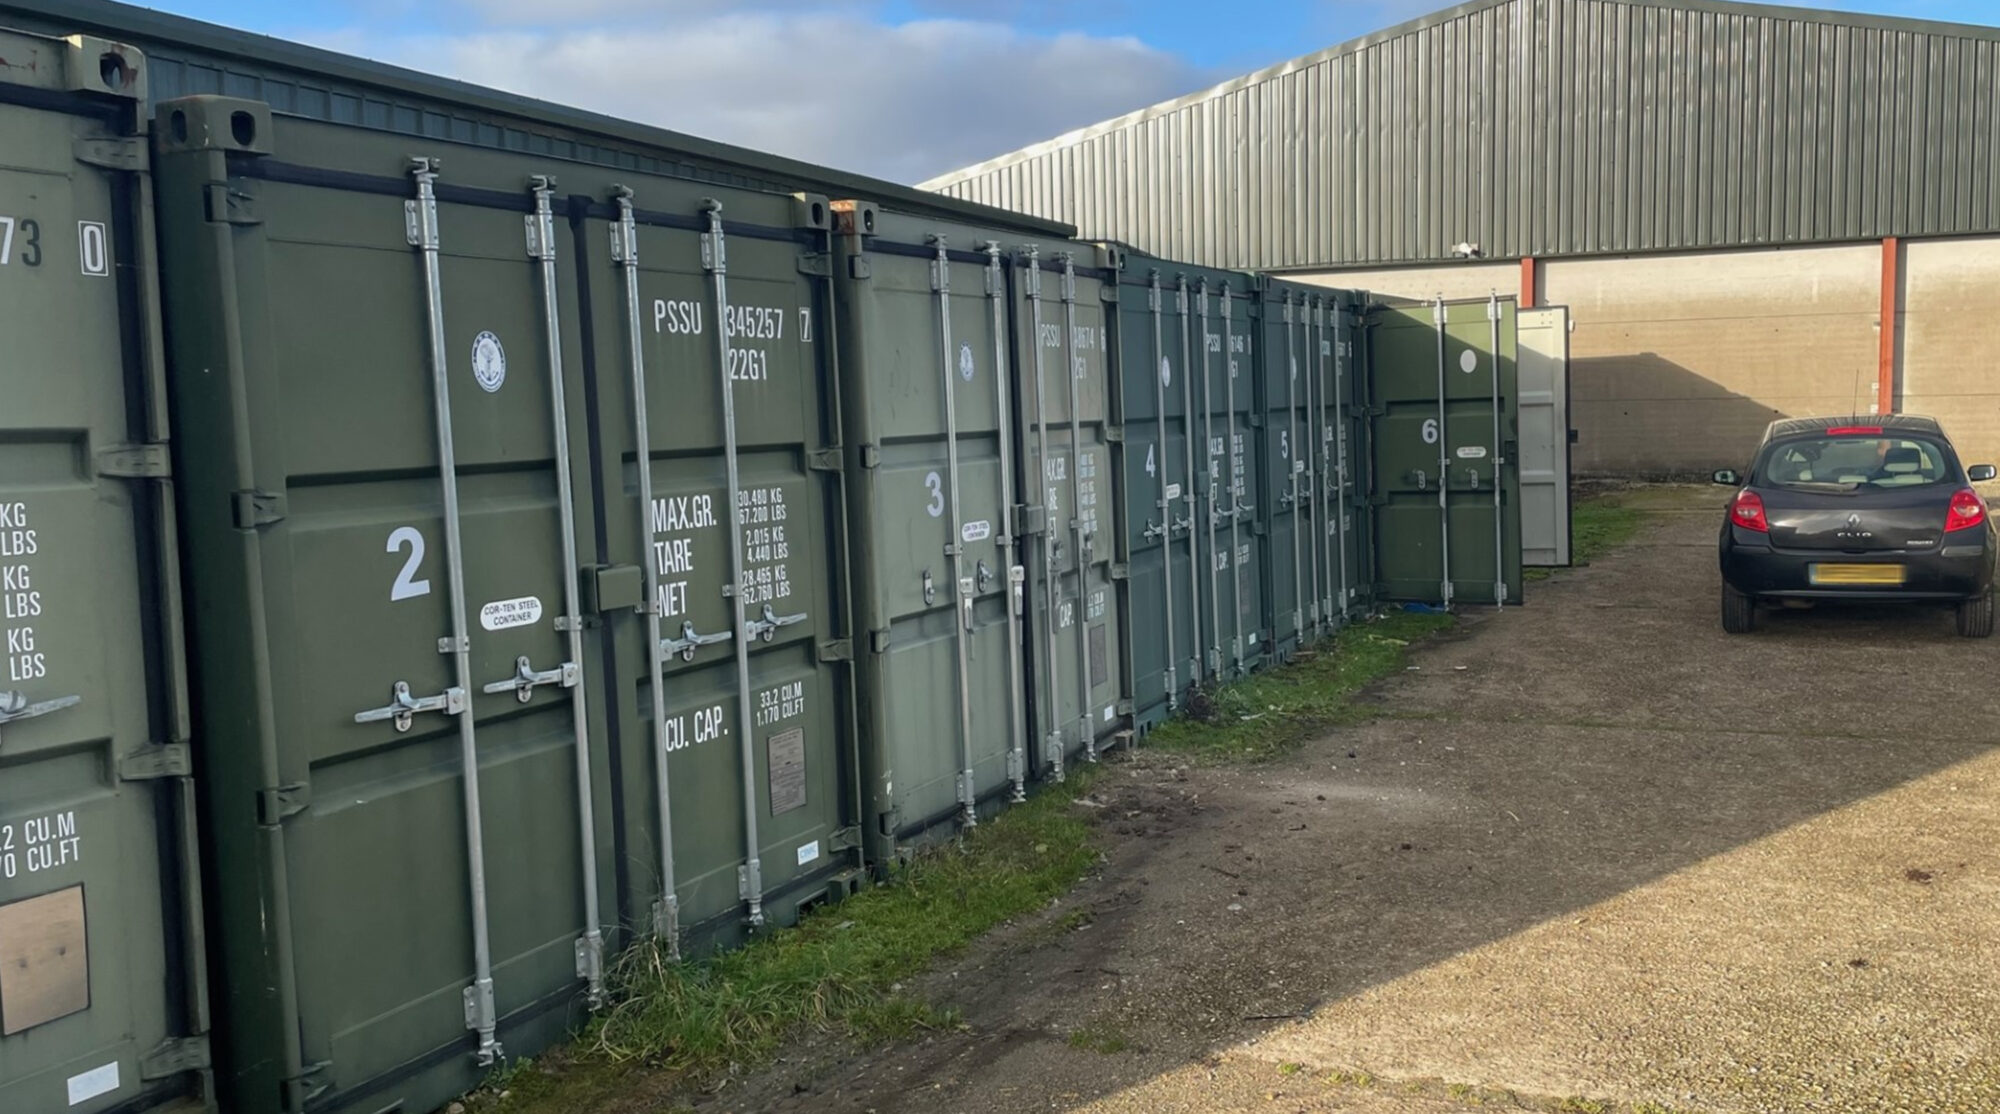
(407, 586)
(1430, 431)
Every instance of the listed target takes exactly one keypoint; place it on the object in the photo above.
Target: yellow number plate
(1874, 575)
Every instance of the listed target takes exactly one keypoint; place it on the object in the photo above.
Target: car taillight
(1967, 511)
(1748, 512)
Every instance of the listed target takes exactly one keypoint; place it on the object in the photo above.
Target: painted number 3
(1430, 431)
(407, 585)
(936, 506)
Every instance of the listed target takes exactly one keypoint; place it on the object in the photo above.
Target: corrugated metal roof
(187, 57)
(1546, 127)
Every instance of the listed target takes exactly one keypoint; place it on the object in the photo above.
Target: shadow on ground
(1593, 846)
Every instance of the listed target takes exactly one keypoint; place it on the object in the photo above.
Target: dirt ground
(1593, 852)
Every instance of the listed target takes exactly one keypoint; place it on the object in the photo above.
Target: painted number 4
(407, 586)
(1152, 469)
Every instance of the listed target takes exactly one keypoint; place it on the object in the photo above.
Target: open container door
(102, 1003)
(1545, 436)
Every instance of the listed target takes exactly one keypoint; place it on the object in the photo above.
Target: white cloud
(904, 102)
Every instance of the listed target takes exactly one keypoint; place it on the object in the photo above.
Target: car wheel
(1739, 612)
(1975, 616)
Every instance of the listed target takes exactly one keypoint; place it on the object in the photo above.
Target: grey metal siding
(1546, 128)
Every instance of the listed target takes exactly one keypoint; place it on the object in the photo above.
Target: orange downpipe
(1885, 382)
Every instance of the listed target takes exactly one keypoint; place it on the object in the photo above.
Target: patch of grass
(837, 971)
(1576, 1104)
(1100, 1037)
(1598, 524)
(1290, 1069)
(1266, 714)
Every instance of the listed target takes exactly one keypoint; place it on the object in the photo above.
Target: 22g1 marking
(28, 232)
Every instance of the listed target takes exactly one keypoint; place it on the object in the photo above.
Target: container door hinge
(278, 804)
(824, 460)
(1378, 499)
(136, 462)
(1114, 434)
(257, 508)
(1125, 707)
(150, 762)
(836, 649)
(871, 456)
(816, 263)
(227, 206)
(878, 641)
(112, 152)
(844, 839)
(174, 1056)
(1108, 292)
(1034, 519)
(1121, 572)
(858, 267)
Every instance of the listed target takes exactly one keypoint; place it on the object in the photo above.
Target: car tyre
(1739, 612)
(1975, 616)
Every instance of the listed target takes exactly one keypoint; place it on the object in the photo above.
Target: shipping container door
(926, 404)
(1284, 524)
(1062, 364)
(369, 359)
(1545, 440)
(725, 591)
(1236, 631)
(1159, 484)
(1448, 505)
(101, 1000)
(1344, 441)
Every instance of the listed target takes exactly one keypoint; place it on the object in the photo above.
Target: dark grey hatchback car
(1858, 509)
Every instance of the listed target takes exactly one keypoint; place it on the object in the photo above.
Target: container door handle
(402, 706)
(965, 598)
(14, 706)
(690, 640)
(526, 679)
(766, 628)
(1018, 577)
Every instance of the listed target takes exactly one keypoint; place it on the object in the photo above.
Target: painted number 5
(407, 586)
(1430, 431)
(936, 506)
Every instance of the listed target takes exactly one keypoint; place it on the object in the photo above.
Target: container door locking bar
(1017, 573)
(421, 227)
(1165, 530)
(1084, 536)
(625, 253)
(968, 796)
(541, 244)
(1051, 577)
(1193, 492)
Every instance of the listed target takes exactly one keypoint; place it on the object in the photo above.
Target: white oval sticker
(1166, 372)
(977, 531)
(489, 362)
(502, 614)
(1468, 362)
(965, 366)
(1472, 452)
(1173, 491)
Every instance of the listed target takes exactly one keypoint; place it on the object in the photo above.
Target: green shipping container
(102, 997)
(491, 668)
(927, 404)
(1443, 440)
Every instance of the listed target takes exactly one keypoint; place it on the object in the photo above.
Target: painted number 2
(936, 506)
(407, 586)
(1430, 431)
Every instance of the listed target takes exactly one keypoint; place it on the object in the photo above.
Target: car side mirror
(1980, 473)
(1728, 478)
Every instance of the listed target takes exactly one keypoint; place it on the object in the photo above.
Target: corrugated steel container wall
(1542, 128)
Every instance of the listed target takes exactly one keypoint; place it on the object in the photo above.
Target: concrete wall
(1677, 362)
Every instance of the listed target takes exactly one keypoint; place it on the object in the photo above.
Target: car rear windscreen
(1854, 462)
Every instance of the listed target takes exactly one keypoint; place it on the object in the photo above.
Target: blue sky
(890, 87)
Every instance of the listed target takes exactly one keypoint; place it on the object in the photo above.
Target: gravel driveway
(1593, 855)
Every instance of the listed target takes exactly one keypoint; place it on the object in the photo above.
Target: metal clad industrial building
(1546, 128)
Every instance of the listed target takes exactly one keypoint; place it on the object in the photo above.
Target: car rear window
(1855, 462)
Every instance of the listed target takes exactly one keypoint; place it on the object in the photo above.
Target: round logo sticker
(1295, 368)
(965, 362)
(1166, 372)
(489, 362)
(1468, 362)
